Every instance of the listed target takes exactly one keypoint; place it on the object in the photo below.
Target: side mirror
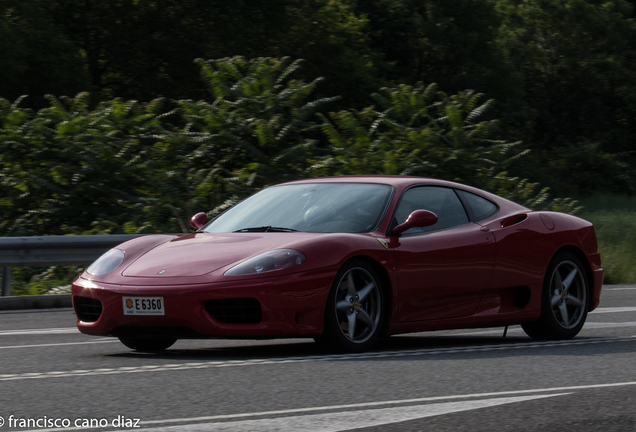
(417, 219)
(199, 220)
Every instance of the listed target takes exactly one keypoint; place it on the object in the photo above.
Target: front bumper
(291, 305)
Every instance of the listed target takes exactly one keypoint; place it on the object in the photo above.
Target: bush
(421, 131)
(133, 167)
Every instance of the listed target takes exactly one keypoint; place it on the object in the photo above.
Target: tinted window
(441, 201)
(481, 207)
(309, 207)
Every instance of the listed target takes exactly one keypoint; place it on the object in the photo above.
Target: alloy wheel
(568, 294)
(358, 305)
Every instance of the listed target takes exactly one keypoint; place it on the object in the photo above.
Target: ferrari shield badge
(383, 242)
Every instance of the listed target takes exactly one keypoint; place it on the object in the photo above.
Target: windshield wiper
(266, 229)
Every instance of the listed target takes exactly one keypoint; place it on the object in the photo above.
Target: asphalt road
(441, 381)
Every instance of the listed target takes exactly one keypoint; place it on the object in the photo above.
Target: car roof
(402, 182)
(393, 180)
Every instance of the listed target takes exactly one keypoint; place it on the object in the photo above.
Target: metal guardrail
(53, 250)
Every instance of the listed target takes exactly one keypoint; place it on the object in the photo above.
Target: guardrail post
(6, 281)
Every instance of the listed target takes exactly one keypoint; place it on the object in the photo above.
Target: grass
(614, 219)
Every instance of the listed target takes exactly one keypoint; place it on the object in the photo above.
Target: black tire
(360, 306)
(564, 300)
(147, 344)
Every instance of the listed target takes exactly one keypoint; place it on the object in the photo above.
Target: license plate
(143, 306)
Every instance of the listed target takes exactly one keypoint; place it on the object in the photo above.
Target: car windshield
(308, 207)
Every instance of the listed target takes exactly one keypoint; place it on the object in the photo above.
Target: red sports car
(344, 260)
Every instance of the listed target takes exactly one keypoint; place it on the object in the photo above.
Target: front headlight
(274, 260)
(106, 263)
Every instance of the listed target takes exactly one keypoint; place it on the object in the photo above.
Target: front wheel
(147, 344)
(355, 308)
(564, 301)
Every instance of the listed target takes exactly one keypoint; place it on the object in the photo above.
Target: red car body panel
(458, 270)
(475, 275)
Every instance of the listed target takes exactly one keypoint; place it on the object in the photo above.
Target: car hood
(198, 254)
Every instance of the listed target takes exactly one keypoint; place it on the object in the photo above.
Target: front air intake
(87, 309)
(235, 311)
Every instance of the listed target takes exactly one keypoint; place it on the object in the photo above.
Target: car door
(443, 269)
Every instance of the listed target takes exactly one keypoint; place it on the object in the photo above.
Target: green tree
(259, 130)
(449, 42)
(578, 63)
(421, 131)
(142, 49)
(36, 57)
(131, 167)
(66, 169)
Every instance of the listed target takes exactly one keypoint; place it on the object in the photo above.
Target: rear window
(481, 208)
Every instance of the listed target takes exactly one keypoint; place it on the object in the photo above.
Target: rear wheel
(355, 308)
(147, 344)
(564, 300)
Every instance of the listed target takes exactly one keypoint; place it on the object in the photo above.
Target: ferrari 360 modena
(345, 260)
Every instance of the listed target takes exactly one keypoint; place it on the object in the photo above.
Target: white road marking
(619, 289)
(518, 330)
(499, 331)
(63, 330)
(347, 420)
(306, 359)
(74, 330)
(59, 344)
(598, 325)
(372, 404)
(613, 310)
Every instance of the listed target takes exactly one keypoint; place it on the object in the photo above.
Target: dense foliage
(563, 72)
(144, 49)
(559, 75)
(136, 167)
(131, 167)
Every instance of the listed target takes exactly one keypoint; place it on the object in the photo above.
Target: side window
(481, 207)
(441, 201)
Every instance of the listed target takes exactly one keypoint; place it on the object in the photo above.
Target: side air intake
(87, 309)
